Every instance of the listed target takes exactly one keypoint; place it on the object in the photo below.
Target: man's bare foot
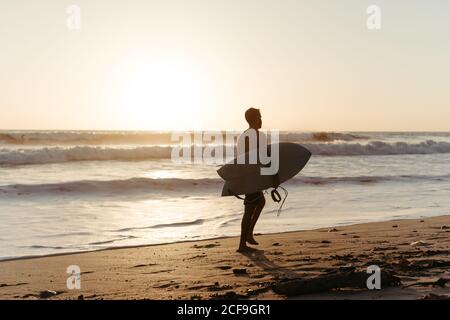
(252, 240)
(244, 249)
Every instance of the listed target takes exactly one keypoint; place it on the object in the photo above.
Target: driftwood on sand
(336, 280)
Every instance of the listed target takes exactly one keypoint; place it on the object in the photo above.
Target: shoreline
(416, 251)
(37, 256)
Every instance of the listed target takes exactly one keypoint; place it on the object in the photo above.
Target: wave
(364, 179)
(320, 137)
(148, 185)
(83, 137)
(44, 247)
(85, 153)
(92, 153)
(121, 238)
(164, 225)
(91, 187)
(53, 138)
(379, 148)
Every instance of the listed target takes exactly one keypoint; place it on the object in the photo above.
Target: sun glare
(162, 94)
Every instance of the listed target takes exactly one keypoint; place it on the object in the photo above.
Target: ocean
(70, 191)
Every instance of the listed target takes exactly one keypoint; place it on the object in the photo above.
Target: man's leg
(255, 216)
(245, 225)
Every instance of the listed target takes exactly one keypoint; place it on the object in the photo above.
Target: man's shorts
(251, 198)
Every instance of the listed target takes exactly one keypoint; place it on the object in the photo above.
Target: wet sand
(413, 255)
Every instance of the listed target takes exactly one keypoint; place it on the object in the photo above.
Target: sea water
(66, 191)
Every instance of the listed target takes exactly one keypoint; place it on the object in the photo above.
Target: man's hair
(251, 114)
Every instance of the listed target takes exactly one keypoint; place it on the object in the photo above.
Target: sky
(199, 64)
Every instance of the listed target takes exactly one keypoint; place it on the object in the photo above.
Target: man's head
(253, 117)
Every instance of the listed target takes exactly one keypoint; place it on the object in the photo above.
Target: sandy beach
(413, 256)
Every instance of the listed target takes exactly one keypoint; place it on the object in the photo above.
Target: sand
(213, 269)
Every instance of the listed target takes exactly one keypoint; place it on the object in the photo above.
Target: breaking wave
(92, 187)
(83, 137)
(379, 148)
(95, 153)
(81, 153)
(53, 138)
(149, 185)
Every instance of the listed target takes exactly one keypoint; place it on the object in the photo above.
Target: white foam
(92, 153)
(81, 153)
(378, 148)
(52, 138)
(149, 185)
(90, 187)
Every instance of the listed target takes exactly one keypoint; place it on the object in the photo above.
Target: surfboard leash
(276, 197)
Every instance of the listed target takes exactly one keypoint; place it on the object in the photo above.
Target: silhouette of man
(254, 202)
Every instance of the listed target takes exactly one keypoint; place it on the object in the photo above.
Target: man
(254, 202)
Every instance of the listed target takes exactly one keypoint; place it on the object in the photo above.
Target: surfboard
(247, 178)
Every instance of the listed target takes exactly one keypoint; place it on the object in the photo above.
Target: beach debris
(219, 287)
(229, 295)
(261, 288)
(419, 265)
(432, 296)
(12, 285)
(441, 282)
(80, 297)
(342, 278)
(356, 237)
(86, 272)
(240, 271)
(203, 255)
(275, 253)
(201, 286)
(144, 265)
(422, 221)
(333, 230)
(395, 226)
(419, 243)
(206, 246)
(325, 241)
(384, 248)
(345, 257)
(436, 252)
(164, 285)
(43, 294)
(47, 294)
(276, 244)
(444, 227)
(224, 267)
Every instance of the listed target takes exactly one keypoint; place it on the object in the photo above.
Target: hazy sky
(198, 64)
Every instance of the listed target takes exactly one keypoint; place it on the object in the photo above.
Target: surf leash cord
(276, 197)
(274, 194)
